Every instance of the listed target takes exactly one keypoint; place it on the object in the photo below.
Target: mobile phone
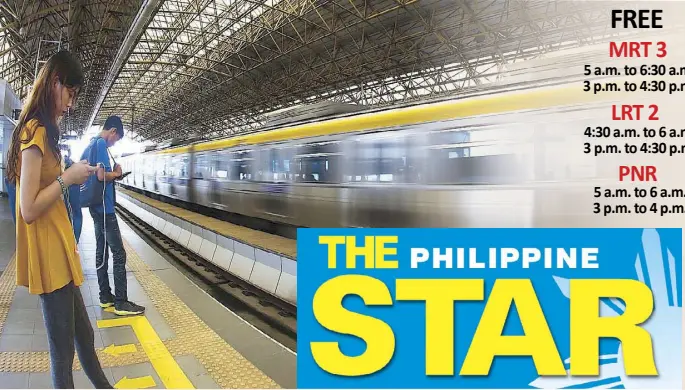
(125, 174)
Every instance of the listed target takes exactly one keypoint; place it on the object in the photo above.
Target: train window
(169, 166)
(149, 164)
(162, 168)
(471, 158)
(384, 161)
(172, 166)
(559, 154)
(241, 165)
(318, 163)
(221, 166)
(275, 165)
(183, 166)
(202, 169)
(450, 137)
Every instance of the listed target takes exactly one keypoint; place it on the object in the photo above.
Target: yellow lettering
(587, 327)
(332, 242)
(439, 295)
(330, 313)
(352, 251)
(382, 251)
(536, 342)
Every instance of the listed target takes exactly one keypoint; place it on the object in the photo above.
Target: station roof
(183, 68)
(31, 31)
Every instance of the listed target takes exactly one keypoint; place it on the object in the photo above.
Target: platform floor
(186, 339)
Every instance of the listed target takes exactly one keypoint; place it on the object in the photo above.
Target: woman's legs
(58, 314)
(66, 319)
(85, 344)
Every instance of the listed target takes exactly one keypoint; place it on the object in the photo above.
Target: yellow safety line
(144, 382)
(7, 287)
(164, 364)
(116, 350)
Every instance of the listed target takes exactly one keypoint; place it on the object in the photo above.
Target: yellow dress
(47, 257)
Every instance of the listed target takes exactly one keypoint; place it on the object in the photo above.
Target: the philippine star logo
(658, 271)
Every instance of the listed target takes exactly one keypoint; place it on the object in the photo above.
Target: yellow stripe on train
(468, 107)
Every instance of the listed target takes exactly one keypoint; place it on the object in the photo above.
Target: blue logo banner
(489, 308)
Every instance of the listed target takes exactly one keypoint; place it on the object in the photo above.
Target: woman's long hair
(40, 105)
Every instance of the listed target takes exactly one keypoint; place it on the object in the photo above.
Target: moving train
(494, 159)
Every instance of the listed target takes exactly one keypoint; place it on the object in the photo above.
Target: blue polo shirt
(102, 157)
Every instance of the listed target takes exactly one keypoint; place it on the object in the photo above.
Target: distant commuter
(107, 232)
(74, 204)
(12, 195)
(47, 258)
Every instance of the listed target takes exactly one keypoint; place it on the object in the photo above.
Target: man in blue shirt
(106, 226)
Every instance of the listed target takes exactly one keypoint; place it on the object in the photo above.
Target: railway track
(237, 294)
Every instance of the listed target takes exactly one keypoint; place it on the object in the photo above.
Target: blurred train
(487, 160)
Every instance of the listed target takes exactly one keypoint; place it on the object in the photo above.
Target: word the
(373, 251)
(502, 257)
(439, 295)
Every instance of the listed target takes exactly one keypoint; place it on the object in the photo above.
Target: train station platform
(185, 339)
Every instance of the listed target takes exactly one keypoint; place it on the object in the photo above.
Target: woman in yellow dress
(47, 257)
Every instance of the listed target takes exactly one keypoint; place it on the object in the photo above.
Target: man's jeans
(109, 227)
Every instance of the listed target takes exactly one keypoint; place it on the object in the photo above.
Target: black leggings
(66, 320)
